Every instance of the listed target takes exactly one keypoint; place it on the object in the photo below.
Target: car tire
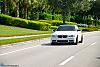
(81, 39)
(76, 41)
(53, 43)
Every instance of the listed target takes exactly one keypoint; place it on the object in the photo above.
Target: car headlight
(71, 36)
(53, 35)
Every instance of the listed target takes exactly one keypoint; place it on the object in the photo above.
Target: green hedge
(38, 25)
(5, 19)
(52, 22)
(8, 20)
(57, 16)
(73, 23)
(54, 27)
(57, 22)
(89, 29)
(19, 22)
(48, 16)
(45, 16)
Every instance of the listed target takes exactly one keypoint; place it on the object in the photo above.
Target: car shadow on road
(97, 57)
(49, 44)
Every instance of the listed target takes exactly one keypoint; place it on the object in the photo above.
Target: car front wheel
(53, 43)
(76, 41)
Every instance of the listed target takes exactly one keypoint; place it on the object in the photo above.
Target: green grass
(8, 41)
(17, 31)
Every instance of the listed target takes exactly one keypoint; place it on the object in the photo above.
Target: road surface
(86, 54)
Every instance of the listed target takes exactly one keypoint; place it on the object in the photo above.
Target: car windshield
(66, 28)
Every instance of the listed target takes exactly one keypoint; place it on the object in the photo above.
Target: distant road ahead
(86, 54)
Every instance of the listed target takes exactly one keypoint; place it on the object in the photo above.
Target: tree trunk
(53, 14)
(63, 17)
(4, 9)
(37, 15)
(26, 3)
(68, 16)
(17, 9)
(21, 14)
(25, 13)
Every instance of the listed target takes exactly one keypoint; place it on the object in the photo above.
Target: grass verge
(9, 41)
(6, 31)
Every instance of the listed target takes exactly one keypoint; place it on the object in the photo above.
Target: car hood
(65, 33)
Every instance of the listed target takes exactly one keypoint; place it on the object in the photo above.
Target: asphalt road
(86, 54)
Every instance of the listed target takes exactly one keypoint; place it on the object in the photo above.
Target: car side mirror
(53, 30)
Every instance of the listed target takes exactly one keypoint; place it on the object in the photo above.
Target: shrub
(45, 16)
(52, 22)
(79, 25)
(85, 29)
(90, 29)
(57, 16)
(96, 22)
(38, 25)
(72, 18)
(54, 27)
(89, 21)
(20, 22)
(78, 19)
(8, 20)
(56, 23)
(73, 23)
(5, 19)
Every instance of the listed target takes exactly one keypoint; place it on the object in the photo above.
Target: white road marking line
(67, 60)
(18, 50)
(70, 58)
(93, 43)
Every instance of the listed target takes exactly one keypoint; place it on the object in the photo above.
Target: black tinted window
(66, 28)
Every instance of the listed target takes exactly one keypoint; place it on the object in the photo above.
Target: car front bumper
(63, 40)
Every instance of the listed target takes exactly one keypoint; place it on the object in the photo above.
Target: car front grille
(59, 36)
(62, 36)
(62, 40)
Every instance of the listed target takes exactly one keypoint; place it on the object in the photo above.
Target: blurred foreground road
(86, 54)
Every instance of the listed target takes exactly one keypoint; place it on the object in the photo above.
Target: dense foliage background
(51, 12)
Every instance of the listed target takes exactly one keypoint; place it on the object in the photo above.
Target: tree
(96, 9)
(63, 6)
(37, 7)
(33, 9)
(21, 9)
(8, 7)
(26, 6)
(4, 7)
(69, 6)
(1, 6)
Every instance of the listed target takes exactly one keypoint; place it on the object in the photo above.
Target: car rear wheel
(81, 39)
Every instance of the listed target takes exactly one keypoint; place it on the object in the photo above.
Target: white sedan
(67, 34)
